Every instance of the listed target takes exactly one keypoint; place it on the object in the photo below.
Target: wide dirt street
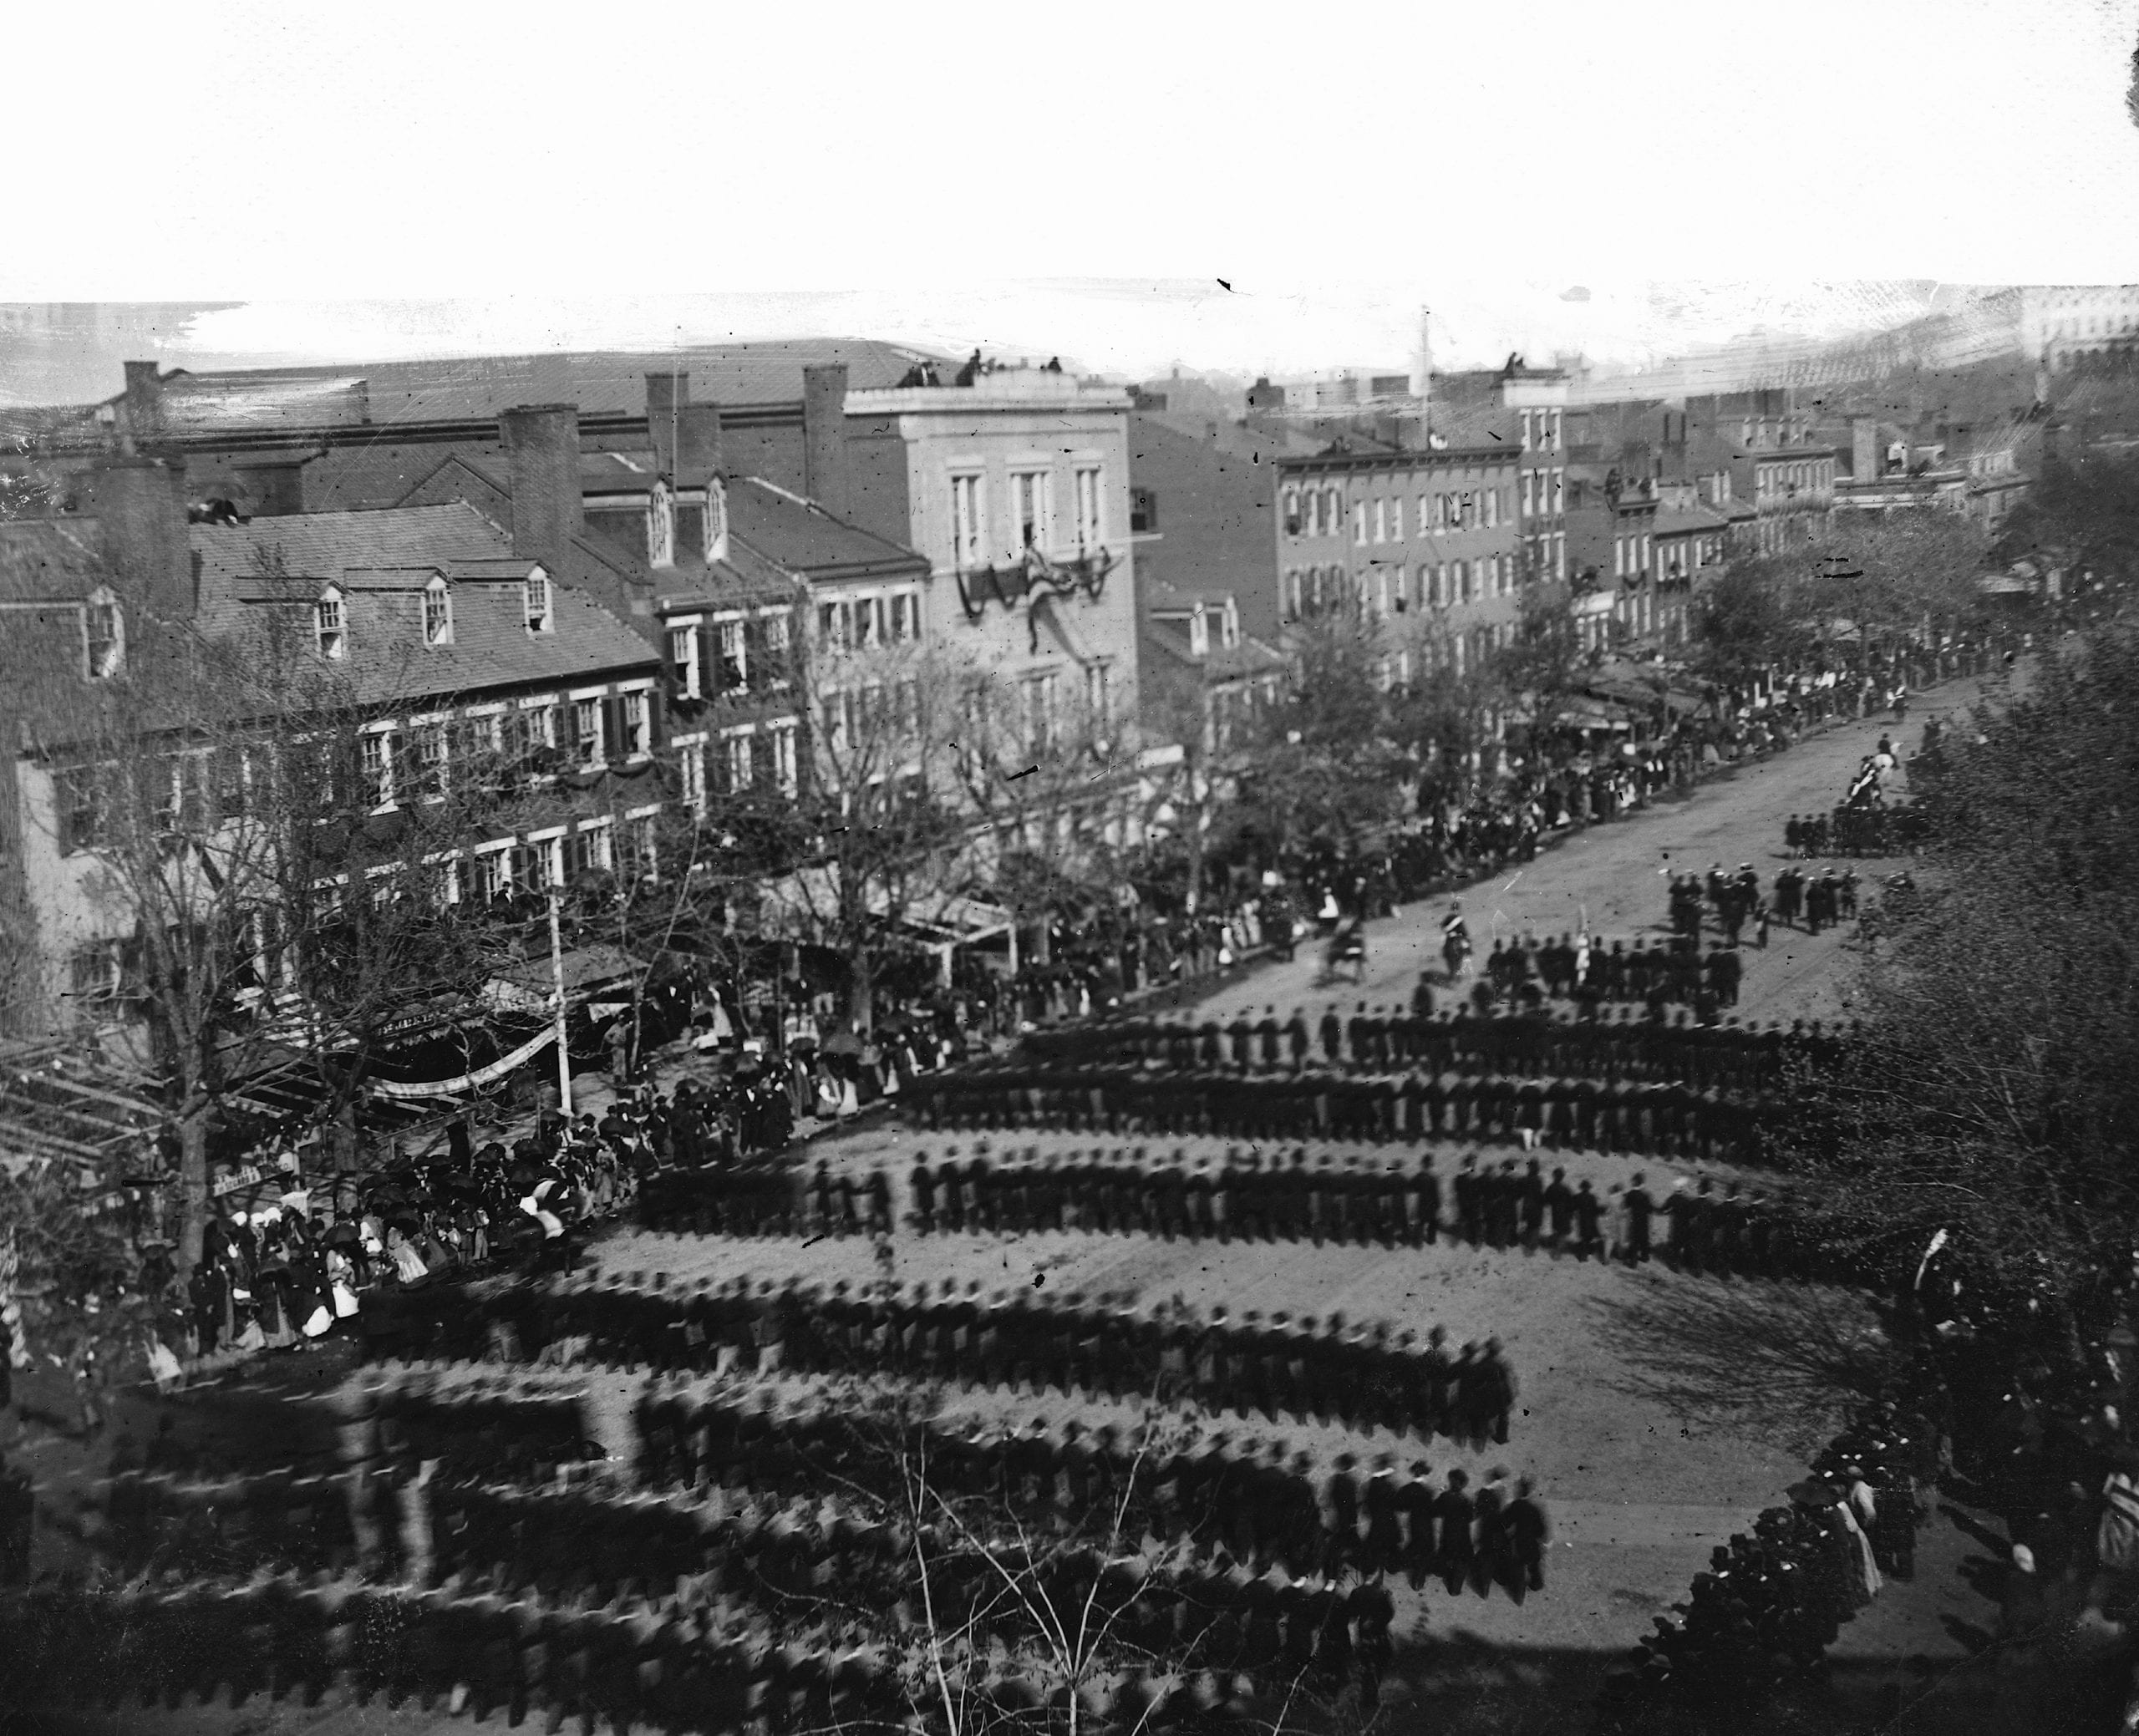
(1660, 1413)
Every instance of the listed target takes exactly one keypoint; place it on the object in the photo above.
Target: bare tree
(262, 858)
(870, 835)
(1040, 781)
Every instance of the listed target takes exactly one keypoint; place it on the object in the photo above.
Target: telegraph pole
(557, 985)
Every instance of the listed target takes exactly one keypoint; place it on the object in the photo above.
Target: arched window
(330, 625)
(104, 632)
(438, 613)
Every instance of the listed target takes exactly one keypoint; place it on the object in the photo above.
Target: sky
(1128, 186)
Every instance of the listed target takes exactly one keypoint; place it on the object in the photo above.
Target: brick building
(1426, 542)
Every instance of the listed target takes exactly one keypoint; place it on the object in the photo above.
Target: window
(690, 760)
(968, 520)
(1091, 530)
(327, 626)
(1293, 599)
(1380, 520)
(431, 759)
(587, 848)
(1143, 512)
(683, 659)
(1029, 497)
(81, 797)
(905, 615)
(1526, 431)
(637, 733)
(1039, 713)
(586, 731)
(1096, 696)
(1333, 511)
(1358, 522)
(784, 765)
(232, 783)
(773, 643)
(1492, 496)
(104, 632)
(641, 849)
(438, 613)
(1292, 526)
(93, 971)
(734, 664)
(535, 600)
(375, 765)
(735, 748)
(1559, 486)
(529, 731)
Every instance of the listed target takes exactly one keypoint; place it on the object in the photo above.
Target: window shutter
(616, 741)
(753, 654)
(708, 659)
(761, 758)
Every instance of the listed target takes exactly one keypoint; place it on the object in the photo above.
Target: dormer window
(438, 613)
(1199, 634)
(660, 526)
(103, 631)
(540, 619)
(328, 626)
(716, 522)
(1230, 626)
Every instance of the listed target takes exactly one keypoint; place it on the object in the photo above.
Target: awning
(1582, 714)
(530, 987)
(956, 921)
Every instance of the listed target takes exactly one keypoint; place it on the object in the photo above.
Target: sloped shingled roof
(49, 558)
(491, 645)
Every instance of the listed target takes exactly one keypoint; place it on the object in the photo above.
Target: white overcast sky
(405, 179)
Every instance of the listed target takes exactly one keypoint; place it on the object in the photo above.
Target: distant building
(1426, 543)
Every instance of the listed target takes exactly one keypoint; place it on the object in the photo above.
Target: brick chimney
(667, 395)
(541, 450)
(824, 435)
(140, 505)
(141, 414)
(1865, 462)
(698, 444)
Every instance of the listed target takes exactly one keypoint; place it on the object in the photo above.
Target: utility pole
(557, 985)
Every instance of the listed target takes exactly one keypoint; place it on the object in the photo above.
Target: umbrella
(1812, 1493)
(343, 1235)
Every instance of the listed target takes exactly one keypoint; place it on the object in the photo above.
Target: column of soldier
(1775, 1598)
(1741, 1229)
(1363, 1375)
(1654, 1088)
(450, 1454)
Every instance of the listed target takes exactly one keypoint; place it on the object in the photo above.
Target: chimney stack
(141, 415)
(541, 448)
(140, 506)
(824, 435)
(1865, 464)
(698, 444)
(667, 395)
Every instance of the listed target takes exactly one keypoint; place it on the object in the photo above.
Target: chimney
(140, 505)
(698, 444)
(1864, 461)
(541, 448)
(667, 395)
(824, 435)
(141, 416)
